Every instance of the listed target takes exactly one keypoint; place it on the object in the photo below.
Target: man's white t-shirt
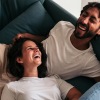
(33, 88)
(64, 59)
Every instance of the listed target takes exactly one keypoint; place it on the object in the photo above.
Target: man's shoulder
(62, 26)
(64, 23)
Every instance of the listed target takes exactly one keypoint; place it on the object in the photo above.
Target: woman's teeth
(37, 56)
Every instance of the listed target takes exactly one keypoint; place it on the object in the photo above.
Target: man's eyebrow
(96, 19)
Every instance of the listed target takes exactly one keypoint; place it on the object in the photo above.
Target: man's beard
(87, 33)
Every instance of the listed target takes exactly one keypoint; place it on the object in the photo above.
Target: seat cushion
(82, 83)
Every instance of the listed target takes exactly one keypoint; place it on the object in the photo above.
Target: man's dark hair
(15, 51)
(91, 5)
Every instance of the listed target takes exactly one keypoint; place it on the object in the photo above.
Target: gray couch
(37, 17)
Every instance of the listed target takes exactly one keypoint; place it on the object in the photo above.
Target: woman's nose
(36, 49)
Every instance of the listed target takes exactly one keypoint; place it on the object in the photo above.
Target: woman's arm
(68, 92)
(73, 94)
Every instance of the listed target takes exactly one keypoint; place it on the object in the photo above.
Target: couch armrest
(58, 13)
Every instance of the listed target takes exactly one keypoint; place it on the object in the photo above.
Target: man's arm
(28, 35)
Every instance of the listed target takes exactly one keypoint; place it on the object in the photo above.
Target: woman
(27, 60)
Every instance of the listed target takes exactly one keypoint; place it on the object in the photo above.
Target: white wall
(74, 6)
(84, 2)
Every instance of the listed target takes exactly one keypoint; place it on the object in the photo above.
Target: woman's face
(31, 55)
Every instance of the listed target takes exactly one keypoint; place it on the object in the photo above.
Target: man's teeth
(82, 27)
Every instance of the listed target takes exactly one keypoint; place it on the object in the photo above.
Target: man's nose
(85, 20)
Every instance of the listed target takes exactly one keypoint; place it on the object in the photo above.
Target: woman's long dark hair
(15, 51)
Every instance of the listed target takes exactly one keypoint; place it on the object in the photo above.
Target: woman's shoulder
(54, 76)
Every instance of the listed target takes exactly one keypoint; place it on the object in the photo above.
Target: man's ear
(19, 60)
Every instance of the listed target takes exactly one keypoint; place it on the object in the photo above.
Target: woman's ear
(19, 60)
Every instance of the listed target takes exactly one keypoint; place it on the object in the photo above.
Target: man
(69, 50)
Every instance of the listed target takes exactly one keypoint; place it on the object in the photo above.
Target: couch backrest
(10, 9)
(59, 13)
(23, 16)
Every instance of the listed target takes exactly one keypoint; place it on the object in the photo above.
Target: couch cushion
(35, 20)
(96, 46)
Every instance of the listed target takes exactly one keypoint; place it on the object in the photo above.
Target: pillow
(3, 57)
(35, 19)
(3, 63)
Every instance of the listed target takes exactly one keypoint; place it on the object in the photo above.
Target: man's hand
(28, 35)
(22, 35)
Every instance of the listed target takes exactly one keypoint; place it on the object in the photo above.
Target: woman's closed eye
(31, 48)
